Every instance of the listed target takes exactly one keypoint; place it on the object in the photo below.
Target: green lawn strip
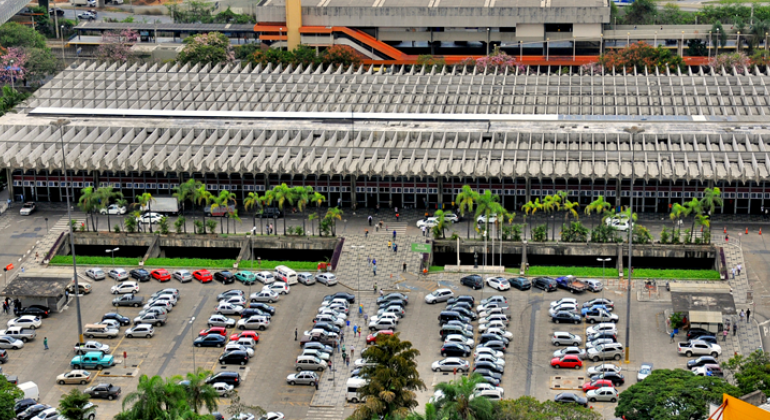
(654, 273)
(88, 260)
(583, 272)
(436, 268)
(542, 270)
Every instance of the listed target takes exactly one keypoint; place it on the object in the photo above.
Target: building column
(618, 198)
(440, 186)
(528, 197)
(9, 179)
(353, 202)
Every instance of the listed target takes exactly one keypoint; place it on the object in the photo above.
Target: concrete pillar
(440, 186)
(617, 192)
(353, 202)
(680, 47)
(529, 191)
(9, 179)
(620, 259)
(293, 23)
(523, 268)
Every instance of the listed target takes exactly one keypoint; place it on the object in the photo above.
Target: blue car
(585, 311)
(211, 340)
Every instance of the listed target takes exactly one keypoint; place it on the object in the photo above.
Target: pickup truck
(699, 348)
(571, 283)
(93, 359)
(319, 337)
(23, 334)
(600, 315)
(129, 299)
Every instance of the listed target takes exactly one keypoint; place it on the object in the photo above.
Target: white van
(353, 385)
(285, 274)
(30, 390)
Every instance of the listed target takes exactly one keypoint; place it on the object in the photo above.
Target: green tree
(155, 399)
(528, 408)
(311, 217)
(252, 201)
(11, 97)
(719, 36)
(105, 195)
(88, 202)
(440, 228)
(551, 203)
(145, 200)
(678, 212)
(16, 35)
(695, 208)
(199, 393)
(303, 195)
(750, 373)
(212, 48)
(641, 235)
(72, 406)
(332, 215)
(696, 48)
(641, 12)
(672, 394)
(9, 393)
(392, 379)
(282, 194)
(224, 199)
(40, 63)
(457, 400)
(575, 232)
(487, 204)
(186, 191)
(130, 221)
(530, 208)
(598, 206)
(465, 200)
(202, 196)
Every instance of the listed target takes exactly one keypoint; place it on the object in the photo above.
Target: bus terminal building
(401, 137)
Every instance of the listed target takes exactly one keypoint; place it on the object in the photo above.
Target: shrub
(341, 55)
(116, 229)
(540, 233)
(664, 236)
(199, 227)
(739, 60)
(211, 224)
(203, 263)
(163, 225)
(179, 224)
(641, 55)
(130, 223)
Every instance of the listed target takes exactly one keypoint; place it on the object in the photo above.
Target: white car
(222, 388)
(113, 209)
(484, 386)
(316, 353)
(330, 318)
(603, 368)
(605, 393)
(87, 16)
(599, 341)
(577, 351)
(461, 339)
(486, 350)
(306, 278)
(621, 223)
(268, 296)
(429, 223)
(494, 324)
(183, 276)
(148, 218)
(96, 273)
(328, 279)
(440, 295)
(485, 357)
(140, 330)
(279, 287)
(568, 307)
(450, 364)
(388, 315)
(47, 414)
(451, 217)
(125, 287)
(224, 308)
(26, 321)
(501, 333)
(169, 299)
(333, 314)
(256, 322)
(233, 345)
(608, 327)
(118, 274)
(7, 342)
(218, 320)
(27, 209)
(561, 338)
(235, 300)
(482, 219)
(494, 317)
(644, 371)
(564, 300)
(265, 277)
(499, 283)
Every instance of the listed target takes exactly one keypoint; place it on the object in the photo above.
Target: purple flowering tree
(12, 65)
(116, 46)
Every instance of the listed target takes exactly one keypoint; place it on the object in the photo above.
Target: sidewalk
(748, 335)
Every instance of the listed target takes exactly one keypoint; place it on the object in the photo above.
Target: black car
(230, 378)
(464, 325)
(497, 345)
(57, 11)
(703, 360)
(697, 332)
(211, 340)
(463, 304)
(393, 296)
(351, 298)
(462, 298)
(546, 283)
(225, 277)
(601, 335)
(474, 281)
(36, 310)
(455, 350)
(489, 366)
(235, 357)
(24, 404)
(315, 345)
(489, 373)
(394, 302)
(217, 415)
(3, 356)
(520, 283)
(107, 391)
(472, 315)
(485, 338)
(249, 312)
(124, 320)
(492, 381)
(270, 213)
(32, 411)
(707, 338)
(566, 316)
(264, 307)
(616, 378)
(328, 327)
(140, 274)
(570, 398)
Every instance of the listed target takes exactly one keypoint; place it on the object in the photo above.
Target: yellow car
(74, 377)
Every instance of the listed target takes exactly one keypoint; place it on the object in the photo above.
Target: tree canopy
(211, 48)
(750, 373)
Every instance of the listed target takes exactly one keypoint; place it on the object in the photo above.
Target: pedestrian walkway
(324, 413)
(748, 335)
(44, 245)
(388, 228)
(356, 271)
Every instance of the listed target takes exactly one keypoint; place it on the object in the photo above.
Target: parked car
(236, 357)
(265, 277)
(498, 283)
(149, 218)
(603, 368)
(568, 361)
(246, 277)
(128, 299)
(203, 276)
(616, 378)
(225, 308)
(545, 283)
(577, 351)
(570, 398)
(26, 321)
(96, 273)
(702, 361)
(450, 364)
(39, 311)
(606, 352)
(644, 371)
(473, 281)
(521, 283)
(140, 274)
(224, 277)
(27, 208)
(74, 377)
(183, 276)
(329, 279)
(302, 378)
(440, 295)
(140, 330)
(107, 391)
(452, 349)
(604, 394)
(125, 287)
(278, 287)
(82, 287)
(113, 209)
(268, 296)
(82, 348)
(594, 285)
(560, 338)
(211, 340)
(306, 278)
(160, 274)
(118, 274)
(565, 316)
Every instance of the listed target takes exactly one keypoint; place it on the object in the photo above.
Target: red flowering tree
(341, 54)
(211, 48)
(13, 65)
(640, 55)
(739, 60)
(116, 46)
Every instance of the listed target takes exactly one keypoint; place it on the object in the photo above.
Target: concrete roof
(698, 126)
(446, 4)
(702, 301)
(165, 27)
(37, 287)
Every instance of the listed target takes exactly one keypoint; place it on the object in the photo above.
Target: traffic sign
(424, 248)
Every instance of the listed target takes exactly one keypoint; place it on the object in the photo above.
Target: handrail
(55, 247)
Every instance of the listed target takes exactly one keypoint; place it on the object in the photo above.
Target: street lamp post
(358, 269)
(708, 46)
(487, 41)
(655, 42)
(632, 131)
(603, 260)
(59, 124)
(717, 44)
(738, 42)
(573, 47)
(64, 62)
(112, 251)
(14, 73)
(546, 48)
(192, 336)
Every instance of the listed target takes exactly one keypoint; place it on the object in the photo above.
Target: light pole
(738, 42)
(603, 260)
(521, 51)
(655, 42)
(59, 124)
(716, 53)
(487, 41)
(546, 48)
(192, 336)
(112, 251)
(358, 270)
(63, 61)
(573, 47)
(682, 54)
(632, 131)
(601, 44)
(14, 73)
(708, 45)
(628, 39)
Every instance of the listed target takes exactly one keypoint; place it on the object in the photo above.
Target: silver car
(140, 330)
(605, 393)
(440, 295)
(644, 371)
(218, 320)
(118, 274)
(560, 338)
(570, 350)
(183, 276)
(305, 377)
(306, 279)
(328, 279)
(268, 296)
(96, 273)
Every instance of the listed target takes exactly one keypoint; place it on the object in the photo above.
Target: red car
(214, 330)
(596, 384)
(371, 338)
(567, 361)
(160, 275)
(204, 276)
(250, 334)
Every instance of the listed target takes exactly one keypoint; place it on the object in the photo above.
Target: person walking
(45, 343)
(374, 270)
(394, 234)
(724, 335)
(352, 350)
(733, 273)
(397, 216)
(374, 261)
(330, 364)
(359, 333)
(743, 315)
(295, 333)
(404, 270)
(390, 244)
(342, 337)
(370, 219)
(395, 247)
(366, 233)
(740, 267)
(5, 308)
(672, 336)
(355, 329)
(735, 329)
(748, 314)
(316, 384)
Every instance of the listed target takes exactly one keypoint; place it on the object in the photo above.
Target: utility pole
(632, 131)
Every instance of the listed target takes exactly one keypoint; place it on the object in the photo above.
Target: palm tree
(695, 207)
(392, 379)
(703, 220)
(440, 227)
(223, 200)
(155, 399)
(186, 191)
(465, 200)
(71, 406)
(88, 202)
(509, 216)
(252, 201)
(311, 217)
(281, 194)
(145, 200)
(712, 197)
(485, 204)
(333, 214)
(598, 206)
(198, 392)
(552, 203)
(121, 203)
(678, 211)
(458, 401)
(303, 196)
(105, 194)
(528, 208)
(202, 195)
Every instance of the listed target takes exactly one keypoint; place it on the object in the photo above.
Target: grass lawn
(86, 260)
(556, 271)
(436, 268)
